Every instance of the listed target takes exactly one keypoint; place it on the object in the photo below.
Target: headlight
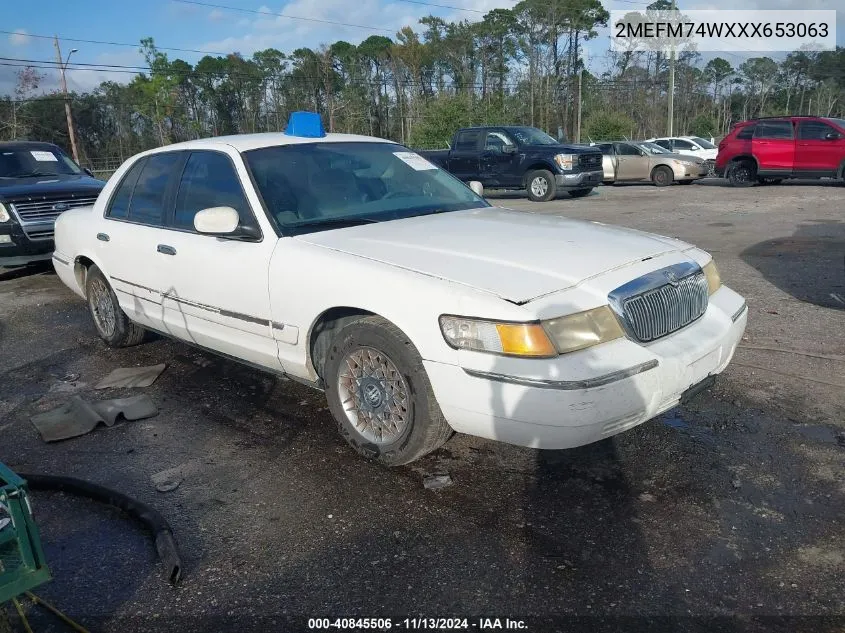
(509, 339)
(4, 214)
(583, 329)
(714, 282)
(565, 161)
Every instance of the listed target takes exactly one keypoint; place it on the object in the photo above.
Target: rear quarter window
(746, 133)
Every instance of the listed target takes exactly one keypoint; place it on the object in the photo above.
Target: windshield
(532, 136)
(20, 163)
(704, 143)
(307, 185)
(653, 148)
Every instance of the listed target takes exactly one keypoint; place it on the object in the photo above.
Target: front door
(631, 162)
(820, 148)
(216, 291)
(773, 146)
(464, 157)
(498, 167)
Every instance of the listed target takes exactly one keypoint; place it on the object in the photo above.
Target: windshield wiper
(31, 174)
(333, 222)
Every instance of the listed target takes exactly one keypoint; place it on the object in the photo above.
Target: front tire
(111, 323)
(542, 185)
(580, 193)
(380, 394)
(662, 176)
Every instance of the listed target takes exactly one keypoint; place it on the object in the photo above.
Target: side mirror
(477, 187)
(217, 221)
(509, 149)
(88, 171)
(833, 136)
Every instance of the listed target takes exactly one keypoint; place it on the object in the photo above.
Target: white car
(689, 145)
(359, 268)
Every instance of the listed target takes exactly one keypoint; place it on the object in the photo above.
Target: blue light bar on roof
(305, 124)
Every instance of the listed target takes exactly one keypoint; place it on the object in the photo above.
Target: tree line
(519, 66)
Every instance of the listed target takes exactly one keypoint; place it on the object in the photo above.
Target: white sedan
(359, 268)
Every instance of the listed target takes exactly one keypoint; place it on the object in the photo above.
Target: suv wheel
(112, 324)
(541, 185)
(742, 173)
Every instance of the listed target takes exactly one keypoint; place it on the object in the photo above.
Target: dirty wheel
(580, 193)
(742, 174)
(380, 395)
(113, 326)
(541, 186)
(662, 176)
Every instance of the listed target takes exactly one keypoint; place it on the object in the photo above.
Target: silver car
(630, 161)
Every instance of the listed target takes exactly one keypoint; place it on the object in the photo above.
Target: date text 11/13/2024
(430, 624)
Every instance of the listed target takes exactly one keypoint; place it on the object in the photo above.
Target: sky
(222, 31)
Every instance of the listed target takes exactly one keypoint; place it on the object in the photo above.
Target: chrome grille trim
(661, 302)
(29, 211)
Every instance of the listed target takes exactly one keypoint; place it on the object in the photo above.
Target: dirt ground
(725, 514)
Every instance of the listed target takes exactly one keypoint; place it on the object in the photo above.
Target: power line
(443, 6)
(72, 39)
(282, 15)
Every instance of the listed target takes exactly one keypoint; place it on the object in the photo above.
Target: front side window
(209, 180)
(308, 185)
(46, 160)
(150, 193)
(122, 198)
(626, 149)
(496, 141)
(774, 130)
(814, 130)
(606, 149)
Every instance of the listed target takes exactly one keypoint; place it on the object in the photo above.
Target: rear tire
(542, 186)
(580, 193)
(380, 395)
(111, 323)
(742, 173)
(662, 176)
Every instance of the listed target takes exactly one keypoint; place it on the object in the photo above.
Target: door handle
(164, 249)
(103, 237)
(804, 144)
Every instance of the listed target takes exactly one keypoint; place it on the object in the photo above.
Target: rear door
(464, 158)
(820, 149)
(631, 163)
(128, 241)
(773, 146)
(215, 291)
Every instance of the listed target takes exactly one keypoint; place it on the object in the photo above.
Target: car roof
(26, 145)
(246, 142)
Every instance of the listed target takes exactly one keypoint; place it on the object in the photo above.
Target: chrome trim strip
(59, 259)
(129, 283)
(567, 385)
(739, 312)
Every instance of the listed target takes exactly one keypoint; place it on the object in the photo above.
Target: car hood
(515, 255)
(45, 185)
(686, 157)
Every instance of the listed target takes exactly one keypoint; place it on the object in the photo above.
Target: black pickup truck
(516, 157)
(38, 181)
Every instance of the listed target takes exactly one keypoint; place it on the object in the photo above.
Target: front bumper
(582, 180)
(18, 250)
(580, 398)
(691, 171)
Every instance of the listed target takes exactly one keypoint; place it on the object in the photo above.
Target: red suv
(767, 150)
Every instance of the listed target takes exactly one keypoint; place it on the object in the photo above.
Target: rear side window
(774, 130)
(468, 140)
(209, 180)
(679, 144)
(814, 130)
(664, 144)
(606, 149)
(150, 194)
(746, 133)
(122, 198)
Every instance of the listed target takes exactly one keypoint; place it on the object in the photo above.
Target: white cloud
(19, 38)
(216, 15)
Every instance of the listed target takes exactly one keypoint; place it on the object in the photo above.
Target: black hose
(165, 544)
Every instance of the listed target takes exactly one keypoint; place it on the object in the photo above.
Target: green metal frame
(22, 562)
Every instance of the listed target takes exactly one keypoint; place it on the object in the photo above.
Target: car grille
(666, 308)
(30, 211)
(590, 161)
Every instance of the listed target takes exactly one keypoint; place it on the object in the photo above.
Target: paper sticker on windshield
(45, 157)
(415, 161)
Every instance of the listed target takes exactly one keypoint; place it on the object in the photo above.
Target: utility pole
(578, 120)
(671, 115)
(62, 67)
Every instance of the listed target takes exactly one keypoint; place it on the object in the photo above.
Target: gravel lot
(726, 514)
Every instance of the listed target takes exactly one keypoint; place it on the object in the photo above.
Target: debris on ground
(130, 377)
(435, 482)
(168, 480)
(77, 417)
(737, 484)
